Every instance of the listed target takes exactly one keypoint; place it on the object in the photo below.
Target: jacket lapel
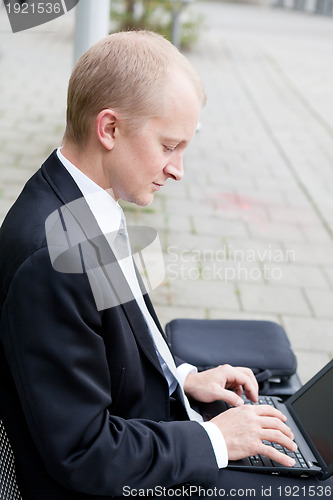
(141, 333)
(68, 192)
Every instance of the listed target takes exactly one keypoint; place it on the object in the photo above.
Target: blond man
(91, 397)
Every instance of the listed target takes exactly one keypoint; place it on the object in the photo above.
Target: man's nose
(175, 169)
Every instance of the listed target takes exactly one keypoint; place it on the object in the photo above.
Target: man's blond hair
(126, 72)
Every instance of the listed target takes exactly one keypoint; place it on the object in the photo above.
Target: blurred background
(248, 232)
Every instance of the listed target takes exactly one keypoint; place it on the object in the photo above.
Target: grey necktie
(122, 249)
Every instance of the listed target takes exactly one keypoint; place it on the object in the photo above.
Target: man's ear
(106, 124)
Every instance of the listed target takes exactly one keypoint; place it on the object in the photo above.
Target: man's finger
(242, 377)
(231, 398)
(275, 423)
(249, 373)
(238, 390)
(269, 411)
(250, 383)
(280, 438)
(277, 456)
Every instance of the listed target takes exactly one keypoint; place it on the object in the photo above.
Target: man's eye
(166, 148)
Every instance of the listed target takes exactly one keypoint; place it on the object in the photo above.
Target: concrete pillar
(92, 23)
(177, 6)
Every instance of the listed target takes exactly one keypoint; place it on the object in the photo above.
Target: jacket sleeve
(51, 333)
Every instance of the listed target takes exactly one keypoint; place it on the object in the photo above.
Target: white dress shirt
(108, 215)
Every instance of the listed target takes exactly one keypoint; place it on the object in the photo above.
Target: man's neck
(88, 160)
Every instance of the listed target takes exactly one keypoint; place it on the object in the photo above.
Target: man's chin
(146, 203)
(143, 201)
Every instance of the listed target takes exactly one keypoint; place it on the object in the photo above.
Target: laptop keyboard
(260, 460)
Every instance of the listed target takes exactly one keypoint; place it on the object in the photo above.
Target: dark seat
(8, 485)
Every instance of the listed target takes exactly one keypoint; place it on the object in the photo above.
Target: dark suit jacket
(82, 394)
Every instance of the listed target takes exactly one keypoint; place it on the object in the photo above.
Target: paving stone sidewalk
(248, 232)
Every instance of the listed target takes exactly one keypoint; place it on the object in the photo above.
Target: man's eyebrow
(175, 140)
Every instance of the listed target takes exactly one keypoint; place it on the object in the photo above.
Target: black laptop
(309, 414)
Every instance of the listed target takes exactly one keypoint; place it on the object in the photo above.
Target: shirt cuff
(183, 370)
(218, 443)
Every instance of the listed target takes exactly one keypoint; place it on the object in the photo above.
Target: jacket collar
(60, 179)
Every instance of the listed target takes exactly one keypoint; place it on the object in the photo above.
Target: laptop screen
(313, 408)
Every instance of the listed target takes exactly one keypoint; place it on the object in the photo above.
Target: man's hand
(244, 428)
(212, 385)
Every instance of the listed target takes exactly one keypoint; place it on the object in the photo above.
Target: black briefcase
(262, 346)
